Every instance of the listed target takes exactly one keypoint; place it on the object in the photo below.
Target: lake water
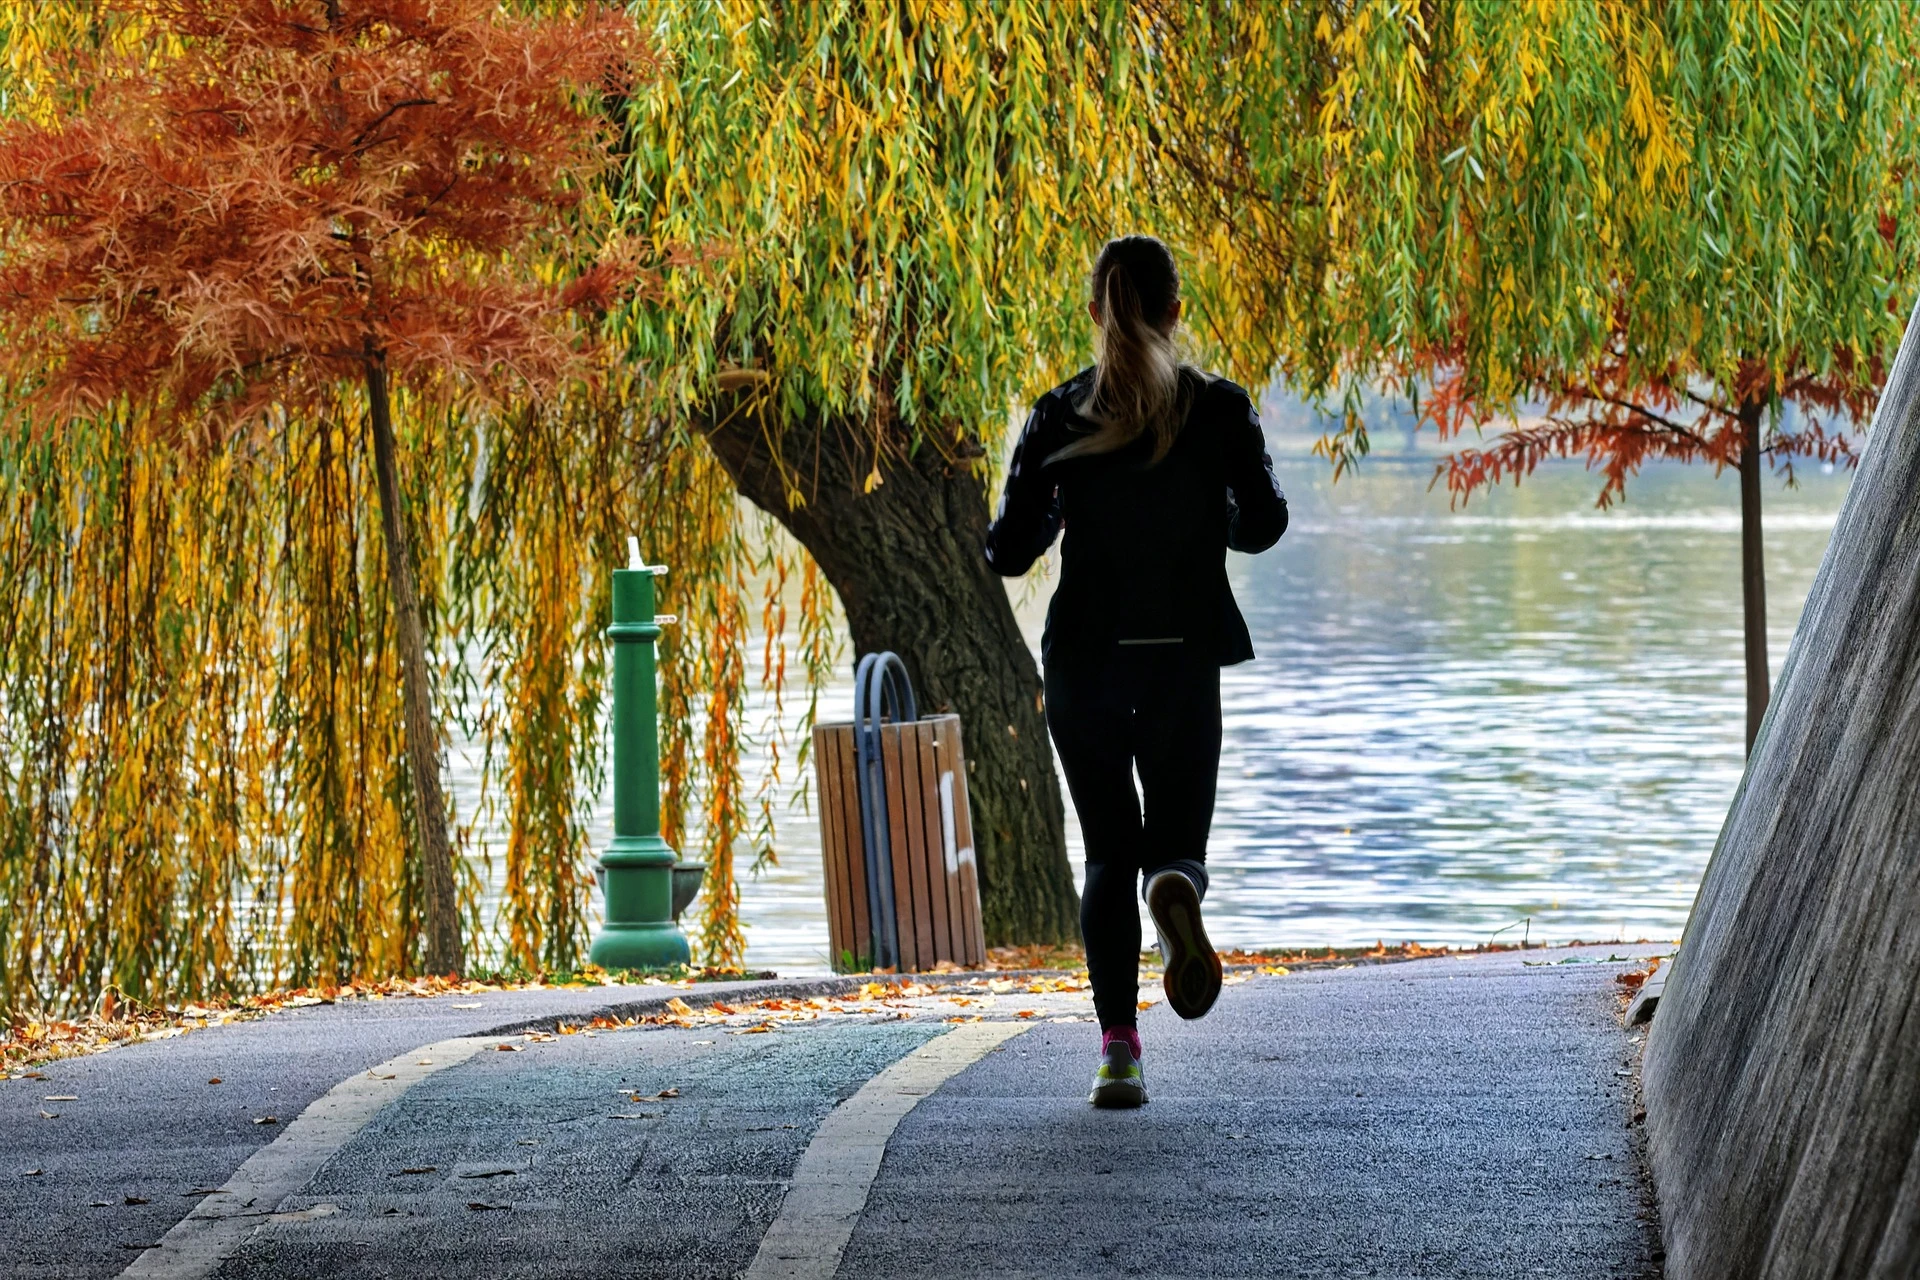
(1459, 720)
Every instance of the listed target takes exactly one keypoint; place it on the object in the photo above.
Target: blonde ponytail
(1138, 385)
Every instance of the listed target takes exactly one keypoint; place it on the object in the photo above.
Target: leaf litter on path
(1054, 998)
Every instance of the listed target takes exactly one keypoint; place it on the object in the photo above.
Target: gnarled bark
(906, 558)
(1783, 1068)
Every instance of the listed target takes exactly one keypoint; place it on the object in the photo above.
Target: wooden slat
(966, 905)
(914, 815)
(938, 735)
(939, 883)
(831, 850)
(856, 863)
(830, 769)
(902, 860)
(963, 841)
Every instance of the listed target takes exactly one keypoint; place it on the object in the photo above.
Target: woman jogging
(1154, 469)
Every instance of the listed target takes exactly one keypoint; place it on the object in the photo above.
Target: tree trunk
(1782, 1070)
(907, 560)
(445, 951)
(1753, 570)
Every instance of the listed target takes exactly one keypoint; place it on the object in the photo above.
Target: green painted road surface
(1456, 1117)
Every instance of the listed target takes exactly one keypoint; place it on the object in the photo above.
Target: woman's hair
(1137, 383)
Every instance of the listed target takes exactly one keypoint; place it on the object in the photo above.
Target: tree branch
(1665, 422)
(385, 116)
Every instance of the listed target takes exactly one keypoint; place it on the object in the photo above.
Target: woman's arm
(1256, 509)
(1029, 517)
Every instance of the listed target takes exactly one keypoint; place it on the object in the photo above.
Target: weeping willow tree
(904, 199)
(221, 742)
(1664, 221)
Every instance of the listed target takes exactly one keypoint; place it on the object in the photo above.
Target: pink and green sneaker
(1193, 970)
(1119, 1082)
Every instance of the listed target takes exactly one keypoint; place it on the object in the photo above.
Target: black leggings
(1155, 708)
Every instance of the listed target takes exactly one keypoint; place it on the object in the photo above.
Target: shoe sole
(1193, 974)
(1117, 1095)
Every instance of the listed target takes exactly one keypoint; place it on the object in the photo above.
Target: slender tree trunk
(445, 953)
(907, 561)
(1753, 570)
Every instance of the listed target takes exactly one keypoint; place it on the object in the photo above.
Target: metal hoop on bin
(881, 692)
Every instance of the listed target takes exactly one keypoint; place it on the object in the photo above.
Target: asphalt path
(121, 1163)
(1437, 1118)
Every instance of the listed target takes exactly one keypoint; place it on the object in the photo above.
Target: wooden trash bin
(929, 839)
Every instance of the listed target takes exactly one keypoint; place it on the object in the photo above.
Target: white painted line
(830, 1184)
(221, 1223)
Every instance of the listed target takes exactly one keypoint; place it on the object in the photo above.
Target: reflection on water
(1527, 709)
(1458, 720)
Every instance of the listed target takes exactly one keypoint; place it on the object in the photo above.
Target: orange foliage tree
(270, 203)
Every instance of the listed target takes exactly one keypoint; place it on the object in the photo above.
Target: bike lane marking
(221, 1223)
(830, 1184)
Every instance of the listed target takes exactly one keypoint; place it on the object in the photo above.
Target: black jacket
(1146, 546)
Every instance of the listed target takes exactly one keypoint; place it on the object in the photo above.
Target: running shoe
(1193, 973)
(1119, 1082)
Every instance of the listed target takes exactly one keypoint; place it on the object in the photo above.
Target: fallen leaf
(268, 1120)
(98, 1204)
(31, 1173)
(306, 1215)
(681, 1007)
(371, 1075)
(500, 1172)
(510, 1048)
(483, 1206)
(474, 1005)
(302, 1002)
(49, 1115)
(424, 1062)
(138, 1200)
(661, 1096)
(204, 1191)
(215, 1080)
(62, 1097)
(425, 1168)
(1026, 1013)
(1146, 1004)
(638, 1115)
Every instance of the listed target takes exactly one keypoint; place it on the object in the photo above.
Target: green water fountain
(642, 880)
